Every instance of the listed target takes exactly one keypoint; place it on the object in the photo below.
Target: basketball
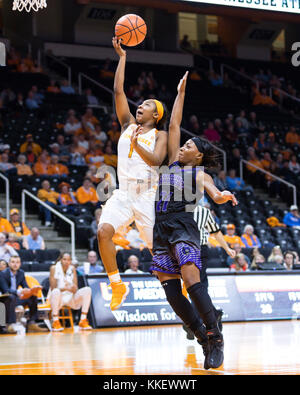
(132, 29)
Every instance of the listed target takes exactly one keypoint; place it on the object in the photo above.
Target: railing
(282, 92)
(239, 73)
(271, 175)
(6, 180)
(65, 65)
(61, 216)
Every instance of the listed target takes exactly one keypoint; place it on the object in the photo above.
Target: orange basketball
(132, 29)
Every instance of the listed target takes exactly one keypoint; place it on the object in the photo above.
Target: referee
(207, 225)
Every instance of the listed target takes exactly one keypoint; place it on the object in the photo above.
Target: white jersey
(133, 170)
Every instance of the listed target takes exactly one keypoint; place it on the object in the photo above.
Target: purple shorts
(183, 253)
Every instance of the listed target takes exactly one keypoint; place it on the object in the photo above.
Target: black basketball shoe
(190, 334)
(215, 354)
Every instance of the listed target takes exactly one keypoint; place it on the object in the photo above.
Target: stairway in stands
(51, 237)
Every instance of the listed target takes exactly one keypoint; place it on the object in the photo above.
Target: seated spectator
(292, 137)
(133, 265)
(276, 251)
(262, 99)
(252, 158)
(30, 156)
(235, 183)
(3, 265)
(42, 166)
(76, 158)
(34, 241)
(64, 292)
(238, 250)
(292, 218)
(94, 227)
(99, 134)
(20, 229)
(242, 118)
(185, 43)
(66, 88)
(19, 103)
(220, 181)
(242, 132)
(278, 259)
(194, 76)
(38, 96)
(240, 264)
(258, 258)
(5, 166)
(61, 151)
(230, 133)
(31, 102)
(211, 133)
(49, 197)
(106, 71)
(261, 144)
(5, 226)
(6, 252)
(57, 169)
(53, 87)
(294, 165)
(249, 238)
(231, 238)
(13, 242)
(87, 193)
(72, 125)
(22, 168)
(114, 133)
(89, 118)
(36, 148)
(288, 260)
(90, 98)
(10, 280)
(93, 266)
(92, 158)
(266, 162)
(110, 159)
(215, 79)
(83, 144)
(66, 196)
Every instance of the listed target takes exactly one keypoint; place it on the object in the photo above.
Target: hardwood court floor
(250, 348)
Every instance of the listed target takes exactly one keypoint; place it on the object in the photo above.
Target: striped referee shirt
(206, 223)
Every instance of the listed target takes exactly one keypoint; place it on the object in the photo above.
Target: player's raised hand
(182, 83)
(230, 197)
(135, 135)
(117, 46)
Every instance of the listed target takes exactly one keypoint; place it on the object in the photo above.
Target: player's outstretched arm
(213, 192)
(175, 121)
(220, 239)
(123, 112)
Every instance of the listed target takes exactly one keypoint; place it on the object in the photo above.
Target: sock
(202, 302)
(181, 305)
(83, 316)
(114, 277)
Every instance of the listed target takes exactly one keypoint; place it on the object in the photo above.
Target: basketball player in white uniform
(141, 150)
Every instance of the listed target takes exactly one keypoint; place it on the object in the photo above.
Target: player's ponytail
(211, 158)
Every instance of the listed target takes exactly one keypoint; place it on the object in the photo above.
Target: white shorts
(121, 210)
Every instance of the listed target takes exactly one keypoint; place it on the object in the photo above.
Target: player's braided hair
(211, 157)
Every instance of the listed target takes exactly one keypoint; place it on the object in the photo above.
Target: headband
(198, 143)
(160, 110)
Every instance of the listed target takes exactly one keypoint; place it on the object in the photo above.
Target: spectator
(99, 134)
(41, 167)
(72, 125)
(231, 238)
(67, 88)
(6, 166)
(276, 251)
(185, 43)
(19, 104)
(194, 76)
(3, 265)
(242, 132)
(230, 134)
(215, 79)
(49, 197)
(261, 144)
(89, 118)
(64, 292)
(30, 156)
(110, 159)
(76, 158)
(22, 168)
(36, 148)
(13, 278)
(114, 133)
(294, 165)
(87, 193)
(13, 241)
(234, 159)
(249, 238)
(5, 250)
(38, 96)
(57, 169)
(66, 196)
(252, 158)
(53, 87)
(240, 264)
(242, 118)
(292, 137)
(133, 236)
(258, 259)
(211, 134)
(94, 158)
(253, 125)
(5, 226)
(235, 183)
(133, 265)
(289, 259)
(90, 98)
(238, 249)
(94, 227)
(220, 181)
(292, 218)
(34, 241)
(20, 229)
(31, 102)
(93, 266)
(262, 99)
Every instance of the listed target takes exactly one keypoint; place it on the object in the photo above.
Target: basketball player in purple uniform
(176, 238)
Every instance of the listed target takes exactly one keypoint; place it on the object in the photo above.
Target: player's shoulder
(161, 133)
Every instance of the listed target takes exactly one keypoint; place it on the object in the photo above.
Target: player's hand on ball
(135, 135)
(117, 46)
(231, 253)
(182, 84)
(230, 196)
